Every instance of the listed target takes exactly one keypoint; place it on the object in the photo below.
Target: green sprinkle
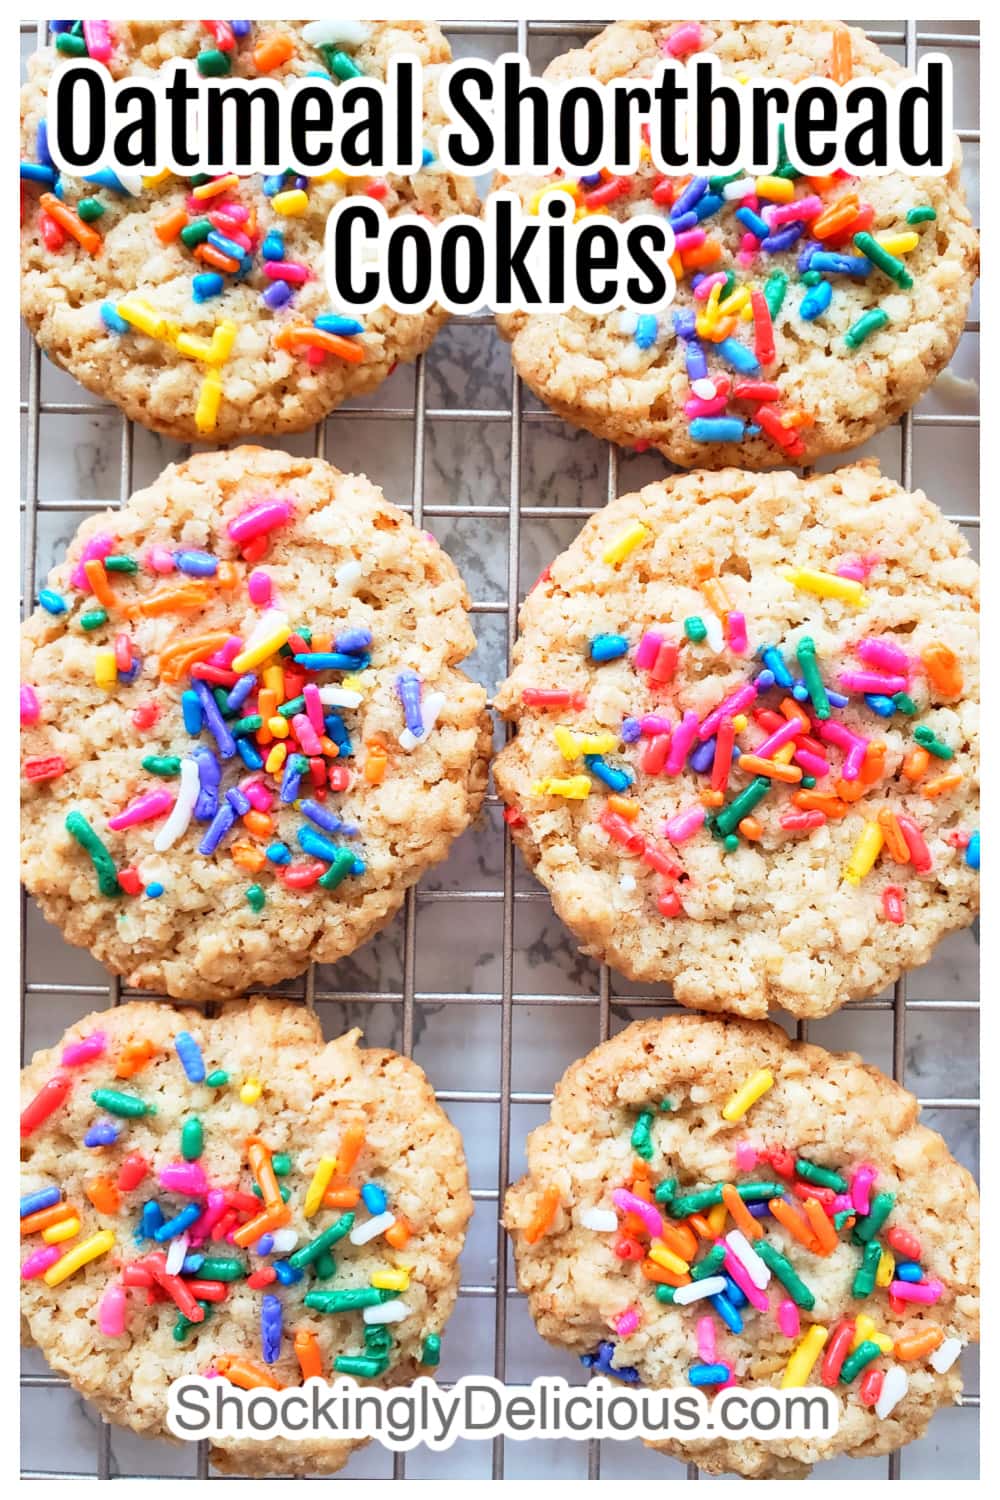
(922, 215)
(855, 1363)
(126, 1106)
(90, 209)
(121, 564)
(256, 897)
(695, 628)
(341, 66)
(307, 1253)
(665, 1190)
(293, 706)
(162, 765)
(339, 869)
(282, 1164)
(286, 1192)
(775, 288)
(198, 179)
(364, 1368)
(641, 1140)
(194, 233)
(711, 1263)
(839, 1220)
(864, 1280)
(184, 1325)
(218, 1079)
(695, 1203)
(731, 816)
(192, 1139)
(665, 1293)
(728, 286)
(810, 278)
(220, 1268)
(760, 1192)
(868, 323)
(107, 876)
(378, 1339)
(324, 1266)
(349, 1299)
(820, 1176)
(904, 703)
(72, 46)
(731, 843)
(924, 735)
(786, 1274)
(92, 619)
(248, 725)
(808, 782)
(666, 1105)
(213, 63)
(716, 184)
(430, 1353)
(868, 1227)
(806, 655)
(890, 264)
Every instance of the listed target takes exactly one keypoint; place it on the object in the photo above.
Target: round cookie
(624, 1197)
(835, 349)
(168, 1130)
(245, 733)
(684, 632)
(203, 311)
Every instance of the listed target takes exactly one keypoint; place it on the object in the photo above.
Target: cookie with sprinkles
(713, 1205)
(245, 730)
(746, 758)
(234, 1196)
(199, 305)
(811, 312)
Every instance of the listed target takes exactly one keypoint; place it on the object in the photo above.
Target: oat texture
(344, 561)
(598, 373)
(314, 1096)
(266, 388)
(772, 918)
(832, 1110)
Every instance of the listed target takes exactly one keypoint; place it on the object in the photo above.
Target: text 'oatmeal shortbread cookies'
(811, 312)
(746, 758)
(712, 1205)
(199, 305)
(232, 1196)
(245, 733)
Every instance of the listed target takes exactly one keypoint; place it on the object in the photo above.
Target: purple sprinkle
(805, 256)
(764, 680)
(238, 801)
(209, 777)
(196, 564)
(218, 828)
(264, 1245)
(702, 757)
(680, 222)
(692, 194)
(354, 642)
(631, 730)
(215, 721)
(408, 688)
(270, 1328)
(785, 238)
(291, 781)
(758, 1210)
(102, 1133)
(241, 691)
(320, 815)
(277, 294)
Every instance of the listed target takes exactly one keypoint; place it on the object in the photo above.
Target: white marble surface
(459, 940)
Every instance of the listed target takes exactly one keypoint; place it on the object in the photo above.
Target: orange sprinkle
(751, 828)
(793, 1222)
(841, 64)
(701, 1226)
(709, 798)
(340, 1194)
(715, 593)
(315, 338)
(218, 185)
(703, 255)
(169, 228)
(180, 654)
(87, 238)
(330, 750)
(681, 1239)
(133, 1058)
(103, 1194)
(267, 707)
(541, 1219)
(850, 791)
(308, 1355)
(894, 840)
(823, 184)
(258, 823)
(821, 1226)
(322, 641)
(45, 1218)
(375, 764)
(835, 218)
(212, 257)
(181, 599)
(916, 763)
(823, 802)
(248, 1374)
(227, 576)
(399, 1233)
(264, 1174)
(275, 1217)
(941, 784)
(758, 766)
(918, 1345)
(873, 765)
(97, 577)
(351, 1143)
(793, 710)
(271, 51)
(248, 857)
(942, 667)
(625, 807)
(654, 1272)
(740, 1214)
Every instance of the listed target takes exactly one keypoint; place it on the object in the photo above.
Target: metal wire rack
(493, 1117)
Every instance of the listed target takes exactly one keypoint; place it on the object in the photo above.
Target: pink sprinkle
(259, 797)
(645, 652)
(143, 810)
(626, 1322)
(734, 704)
(683, 39)
(861, 1184)
(842, 1204)
(854, 760)
(813, 765)
(306, 735)
(697, 406)
(226, 654)
(76, 1053)
(738, 1272)
(97, 35)
(287, 270)
(746, 1156)
(184, 1177)
(788, 1318)
(787, 731)
(100, 546)
(745, 259)
(258, 519)
(802, 208)
(111, 1311)
(314, 707)
(681, 742)
(835, 733)
(853, 570)
(654, 724)
(884, 654)
(872, 682)
(631, 1203)
(706, 1340)
(30, 707)
(160, 560)
(926, 1292)
(690, 239)
(215, 1207)
(704, 287)
(259, 587)
(736, 625)
(685, 824)
(39, 1260)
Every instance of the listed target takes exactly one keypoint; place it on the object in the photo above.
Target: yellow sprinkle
(144, 317)
(572, 745)
(735, 302)
(274, 680)
(571, 188)
(318, 1186)
(775, 189)
(157, 179)
(334, 175)
(886, 1269)
(278, 727)
(354, 682)
(64, 1230)
(864, 854)
(391, 1281)
(105, 669)
(865, 1329)
(80, 1256)
(276, 759)
(294, 202)
(756, 1085)
(625, 542)
(740, 722)
(574, 787)
(568, 743)
(666, 1258)
(716, 1218)
(799, 1367)
(214, 351)
(269, 646)
(206, 413)
(216, 186)
(826, 585)
(251, 1090)
(746, 312)
(900, 244)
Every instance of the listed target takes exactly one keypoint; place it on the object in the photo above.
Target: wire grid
(517, 35)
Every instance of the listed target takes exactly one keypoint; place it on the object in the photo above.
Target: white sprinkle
(601, 1220)
(894, 1388)
(349, 575)
(628, 322)
(336, 33)
(748, 1258)
(713, 628)
(180, 813)
(339, 697)
(430, 709)
(697, 1291)
(130, 181)
(387, 1312)
(270, 622)
(738, 189)
(284, 1240)
(704, 389)
(175, 1254)
(372, 1228)
(945, 1355)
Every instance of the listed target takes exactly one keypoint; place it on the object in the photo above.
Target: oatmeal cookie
(713, 1204)
(811, 312)
(200, 306)
(746, 758)
(245, 731)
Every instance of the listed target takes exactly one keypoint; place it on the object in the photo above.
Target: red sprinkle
(893, 904)
(44, 767)
(263, 1277)
(145, 715)
(303, 877)
(130, 880)
(46, 1102)
(871, 1387)
(132, 1170)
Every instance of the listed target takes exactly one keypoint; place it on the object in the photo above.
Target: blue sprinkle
(591, 180)
(264, 1245)
(196, 564)
(133, 671)
(286, 1273)
(708, 1374)
(800, 692)
(193, 1263)
(33, 171)
(337, 731)
(738, 355)
(816, 301)
(191, 709)
(358, 867)
(278, 854)
(330, 661)
(908, 1270)
(112, 319)
(805, 260)
(374, 1198)
(208, 284)
(615, 777)
(102, 1133)
(241, 28)
(291, 781)
(426, 156)
(273, 247)
(785, 238)
(52, 602)
(152, 1218)
(215, 722)
(735, 1293)
(716, 429)
(107, 179)
(605, 648)
(646, 330)
(248, 753)
(601, 1359)
(226, 246)
(333, 323)
(311, 842)
(155, 889)
(753, 222)
(177, 1225)
(880, 704)
(408, 689)
(837, 700)
(708, 205)
(727, 1312)
(241, 691)
(692, 194)
(972, 851)
(42, 144)
(33, 1203)
(272, 185)
(354, 642)
(840, 265)
(189, 1052)
(764, 681)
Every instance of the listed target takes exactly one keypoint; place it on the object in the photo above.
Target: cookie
(746, 758)
(810, 312)
(245, 732)
(712, 1204)
(233, 1195)
(200, 306)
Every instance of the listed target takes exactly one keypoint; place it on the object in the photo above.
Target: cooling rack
(497, 1003)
